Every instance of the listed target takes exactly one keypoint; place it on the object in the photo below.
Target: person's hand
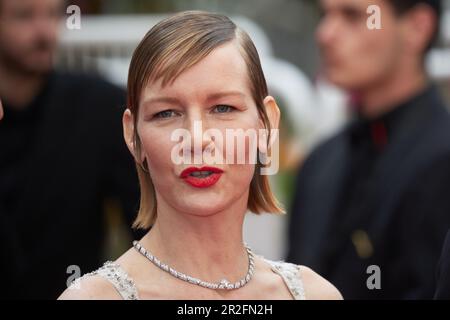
(1, 110)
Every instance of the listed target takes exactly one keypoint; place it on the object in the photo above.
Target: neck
(209, 247)
(19, 88)
(389, 93)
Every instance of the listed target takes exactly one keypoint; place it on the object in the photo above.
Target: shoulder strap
(118, 278)
(292, 277)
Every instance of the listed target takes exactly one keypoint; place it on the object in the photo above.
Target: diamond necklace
(224, 284)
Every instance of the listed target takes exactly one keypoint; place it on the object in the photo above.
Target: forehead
(360, 5)
(29, 4)
(222, 70)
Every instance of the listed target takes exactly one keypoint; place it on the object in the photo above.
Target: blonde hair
(172, 46)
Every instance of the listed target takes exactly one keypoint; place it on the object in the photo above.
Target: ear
(128, 134)
(273, 114)
(420, 27)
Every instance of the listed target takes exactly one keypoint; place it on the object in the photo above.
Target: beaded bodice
(125, 286)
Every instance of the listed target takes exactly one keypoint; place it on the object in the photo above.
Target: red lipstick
(203, 177)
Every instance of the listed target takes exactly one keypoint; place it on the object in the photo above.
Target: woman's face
(215, 91)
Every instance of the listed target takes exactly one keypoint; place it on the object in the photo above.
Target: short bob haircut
(167, 50)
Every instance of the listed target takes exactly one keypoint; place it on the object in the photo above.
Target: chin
(203, 205)
(344, 80)
(39, 66)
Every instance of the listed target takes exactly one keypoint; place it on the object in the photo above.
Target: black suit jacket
(77, 160)
(443, 282)
(404, 219)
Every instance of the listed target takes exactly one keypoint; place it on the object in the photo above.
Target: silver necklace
(224, 284)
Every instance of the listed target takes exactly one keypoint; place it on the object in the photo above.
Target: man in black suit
(372, 203)
(443, 282)
(62, 157)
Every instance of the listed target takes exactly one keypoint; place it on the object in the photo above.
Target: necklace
(224, 284)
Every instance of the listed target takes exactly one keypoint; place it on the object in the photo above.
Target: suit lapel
(400, 161)
(319, 215)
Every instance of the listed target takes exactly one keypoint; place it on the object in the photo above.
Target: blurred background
(311, 109)
(68, 188)
(110, 30)
(64, 119)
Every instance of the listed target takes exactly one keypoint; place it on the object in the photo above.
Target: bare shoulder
(90, 288)
(95, 286)
(316, 287)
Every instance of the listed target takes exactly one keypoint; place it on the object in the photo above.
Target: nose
(327, 32)
(200, 140)
(47, 28)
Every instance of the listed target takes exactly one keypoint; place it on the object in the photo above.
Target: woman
(192, 68)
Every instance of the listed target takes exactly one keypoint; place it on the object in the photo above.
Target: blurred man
(62, 154)
(372, 203)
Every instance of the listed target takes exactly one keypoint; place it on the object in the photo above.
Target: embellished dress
(125, 286)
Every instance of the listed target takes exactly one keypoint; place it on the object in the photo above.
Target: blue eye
(223, 109)
(165, 114)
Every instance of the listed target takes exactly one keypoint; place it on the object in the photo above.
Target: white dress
(125, 286)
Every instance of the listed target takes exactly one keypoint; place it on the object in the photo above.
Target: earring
(143, 165)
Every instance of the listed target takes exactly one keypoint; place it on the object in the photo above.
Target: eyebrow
(173, 101)
(219, 95)
(346, 7)
(167, 100)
